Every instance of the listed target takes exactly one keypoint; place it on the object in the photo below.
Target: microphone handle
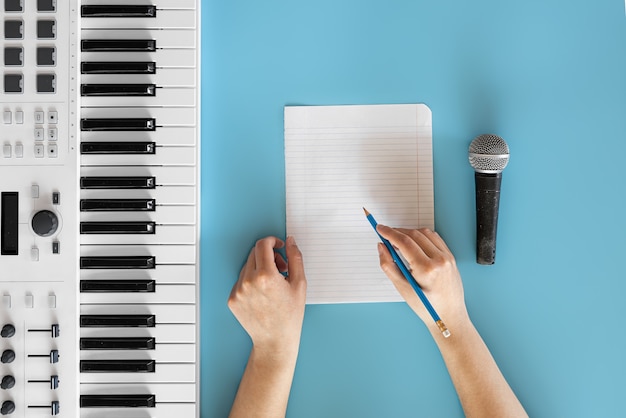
(487, 203)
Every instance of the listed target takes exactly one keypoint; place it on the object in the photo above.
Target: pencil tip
(366, 212)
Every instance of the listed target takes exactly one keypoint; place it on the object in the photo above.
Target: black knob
(8, 382)
(45, 223)
(7, 356)
(7, 408)
(8, 330)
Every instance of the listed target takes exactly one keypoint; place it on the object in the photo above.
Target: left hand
(268, 305)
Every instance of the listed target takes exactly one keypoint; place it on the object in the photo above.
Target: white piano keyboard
(99, 208)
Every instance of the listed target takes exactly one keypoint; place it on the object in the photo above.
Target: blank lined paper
(339, 159)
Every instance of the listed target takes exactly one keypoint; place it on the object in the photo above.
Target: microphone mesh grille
(488, 153)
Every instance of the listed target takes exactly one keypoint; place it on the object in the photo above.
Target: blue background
(549, 76)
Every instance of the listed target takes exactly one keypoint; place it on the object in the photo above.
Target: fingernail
(380, 248)
(291, 240)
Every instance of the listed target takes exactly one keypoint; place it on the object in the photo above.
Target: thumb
(295, 264)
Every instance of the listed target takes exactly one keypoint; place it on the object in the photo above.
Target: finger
(424, 238)
(392, 271)
(281, 264)
(264, 253)
(409, 248)
(295, 262)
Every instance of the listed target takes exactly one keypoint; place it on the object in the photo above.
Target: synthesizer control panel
(99, 169)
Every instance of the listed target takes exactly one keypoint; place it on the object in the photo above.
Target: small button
(46, 29)
(6, 301)
(7, 150)
(56, 247)
(13, 29)
(39, 151)
(19, 117)
(7, 117)
(39, 134)
(19, 150)
(53, 117)
(46, 83)
(46, 5)
(13, 83)
(52, 134)
(39, 119)
(46, 56)
(56, 198)
(34, 256)
(13, 56)
(29, 300)
(13, 6)
(52, 301)
(34, 191)
(53, 151)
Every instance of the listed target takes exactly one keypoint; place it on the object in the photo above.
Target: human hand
(433, 266)
(268, 305)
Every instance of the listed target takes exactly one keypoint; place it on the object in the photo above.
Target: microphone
(488, 155)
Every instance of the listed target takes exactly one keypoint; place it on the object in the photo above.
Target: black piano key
(118, 90)
(118, 262)
(118, 124)
(118, 11)
(127, 227)
(117, 366)
(121, 343)
(117, 401)
(117, 286)
(118, 321)
(117, 182)
(117, 205)
(119, 67)
(118, 45)
(117, 148)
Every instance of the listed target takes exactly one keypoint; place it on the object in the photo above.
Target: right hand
(433, 266)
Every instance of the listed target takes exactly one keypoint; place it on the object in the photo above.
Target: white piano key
(165, 176)
(165, 58)
(175, 136)
(167, 274)
(165, 254)
(164, 234)
(162, 410)
(163, 353)
(164, 373)
(165, 39)
(166, 314)
(161, 4)
(163, 156)
(176, 195)
(175, 215)
(165, 19)
(176, 293)
(173, 116)
(165, 333)
(163, 77)
(163, 392)
(163, 96)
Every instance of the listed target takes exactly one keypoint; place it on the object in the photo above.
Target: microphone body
(488, 155)
(487, 204)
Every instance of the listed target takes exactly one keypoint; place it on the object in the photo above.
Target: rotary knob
(7, 356)
(8, 382)
(45, 223)
(8, 330)
(7, 408)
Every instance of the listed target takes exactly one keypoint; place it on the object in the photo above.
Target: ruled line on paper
(339, 159)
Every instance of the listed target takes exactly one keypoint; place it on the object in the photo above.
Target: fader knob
(45, 223)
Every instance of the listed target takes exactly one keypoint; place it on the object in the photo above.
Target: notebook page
(339, 159)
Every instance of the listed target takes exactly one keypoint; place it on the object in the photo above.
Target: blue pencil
(409, 277)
